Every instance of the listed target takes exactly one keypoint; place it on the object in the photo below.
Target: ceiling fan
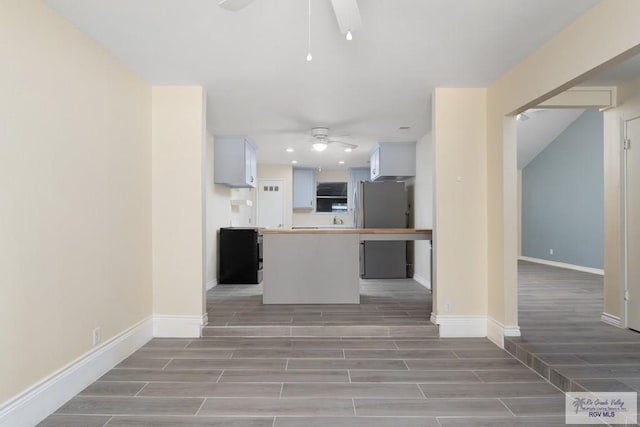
(321, 140)
(346, 11)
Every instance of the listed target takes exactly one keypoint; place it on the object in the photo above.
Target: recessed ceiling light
(349, 36)
(348, 150)
(294, 161)
(341, 162)
(289, 150)
(404, 128)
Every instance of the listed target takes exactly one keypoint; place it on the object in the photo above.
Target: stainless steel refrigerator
(382, 205)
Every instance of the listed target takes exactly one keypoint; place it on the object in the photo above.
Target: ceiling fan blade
(233, 5)
(343, 143)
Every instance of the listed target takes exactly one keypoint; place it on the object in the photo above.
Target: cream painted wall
(605, 34)
(218, 215)
(178, 190)
(628, 107)
(302, 217)
(460, 222)
(423, 204)
(284, 172)
(75, 197)
(519, 212)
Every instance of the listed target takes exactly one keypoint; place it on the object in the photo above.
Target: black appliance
(240, 256)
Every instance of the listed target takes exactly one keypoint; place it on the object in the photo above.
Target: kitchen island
(320, 266)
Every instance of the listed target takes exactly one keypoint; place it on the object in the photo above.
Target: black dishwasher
(240, 256)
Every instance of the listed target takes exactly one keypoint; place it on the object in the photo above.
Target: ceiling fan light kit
(321, 140)
(319, 146)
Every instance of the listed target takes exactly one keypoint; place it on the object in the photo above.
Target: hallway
(563, 337)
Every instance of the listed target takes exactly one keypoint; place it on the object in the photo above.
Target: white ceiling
(252, 62)
(542, 127)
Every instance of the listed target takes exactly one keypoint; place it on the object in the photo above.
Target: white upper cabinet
(304, 188)
(234, 161)
(393, 161)
(375, 164)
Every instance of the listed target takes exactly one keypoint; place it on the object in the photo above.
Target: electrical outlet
(550, 251)
(96, 335)
(448, 307)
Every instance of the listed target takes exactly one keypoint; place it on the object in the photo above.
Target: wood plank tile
(208, 364)
(57, 420)
(277, 376)
(204, 389)
(294, 353)
(445, 344)
(143, 362)
(131, 405)
(194, 421)
(611, 359)
(356, 422)
(165, 353)
(113, 388)
(432, 408)
(509, 376)
(484, 353)
(367, 364)
(177, 343)
(392, 391)
(536, 406)
(485, 390)
(413, 377)
(399, 354)
(463, 364)
(277, 407)
(157, 375)
(549, 421)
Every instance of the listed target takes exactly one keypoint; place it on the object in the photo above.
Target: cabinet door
(234, 162)
(375, 164)
(250, 164)
(303, 188)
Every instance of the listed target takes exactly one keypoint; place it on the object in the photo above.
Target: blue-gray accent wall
(563, 196)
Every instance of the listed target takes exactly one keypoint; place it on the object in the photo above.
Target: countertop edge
(347, 231)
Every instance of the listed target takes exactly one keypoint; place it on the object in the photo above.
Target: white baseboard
(496, 331)
(45, 397)
(591, 270)
(423, 281)
(178, 326)
(212, 284)
(612, 320)
(460, 326)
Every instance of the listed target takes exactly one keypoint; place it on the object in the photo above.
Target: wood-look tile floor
(382, 302)
(360, 373)
(563, 337)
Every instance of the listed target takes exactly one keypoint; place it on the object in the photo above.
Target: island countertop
(320, 265)
(346, 231)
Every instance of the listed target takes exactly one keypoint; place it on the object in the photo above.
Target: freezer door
(384, 205)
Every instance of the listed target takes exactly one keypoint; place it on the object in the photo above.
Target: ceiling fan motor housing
(320, 133)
